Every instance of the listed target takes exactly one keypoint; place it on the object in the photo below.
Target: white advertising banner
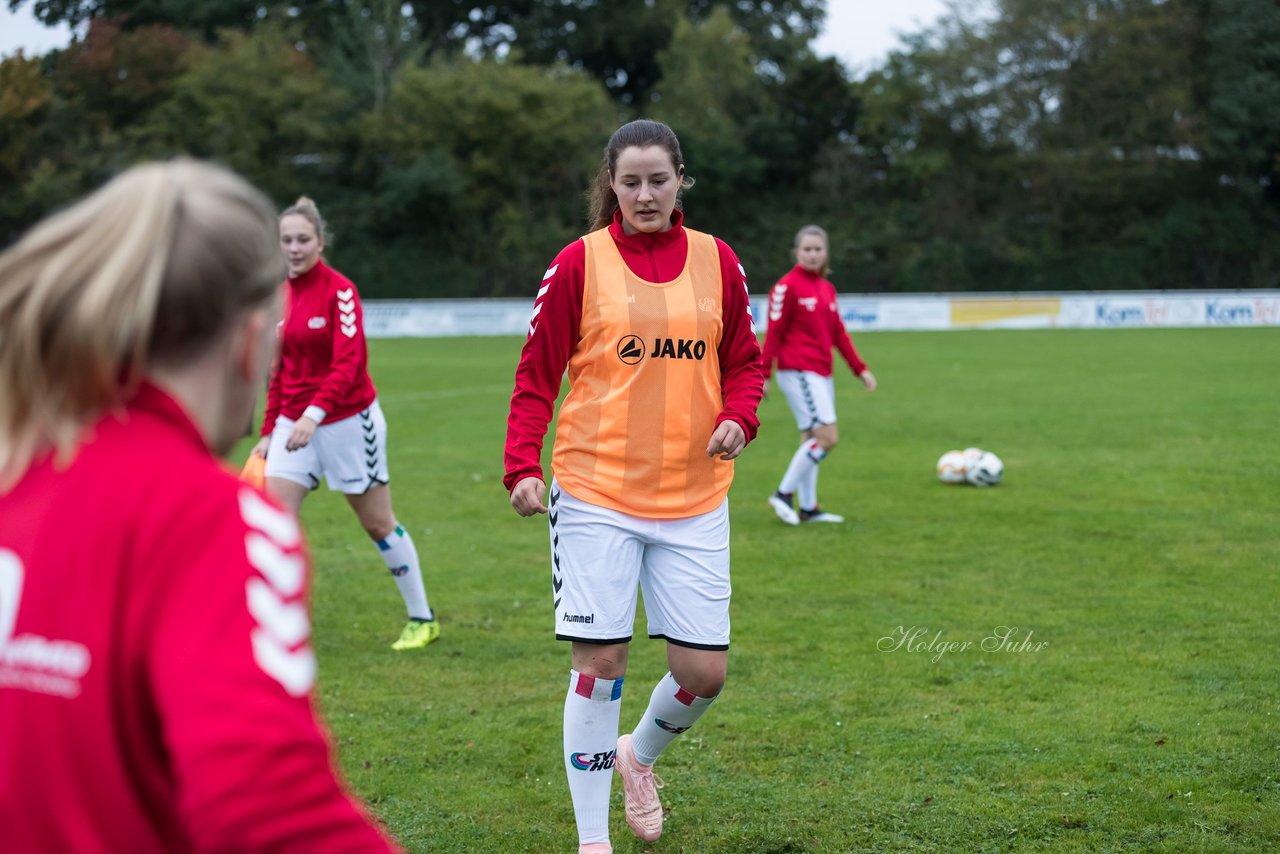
(441, 318)
(885, 312)
(1228, 308)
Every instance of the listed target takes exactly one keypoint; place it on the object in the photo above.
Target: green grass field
(1135, 539)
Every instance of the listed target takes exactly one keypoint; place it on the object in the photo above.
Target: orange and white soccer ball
(972, 465)
(951, 467)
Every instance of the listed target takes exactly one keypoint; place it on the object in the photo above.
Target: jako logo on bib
(631, 349)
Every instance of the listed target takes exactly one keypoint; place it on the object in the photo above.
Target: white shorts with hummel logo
(351, 453)
(600, 556)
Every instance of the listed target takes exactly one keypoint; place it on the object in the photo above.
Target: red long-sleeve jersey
(554, 326)
(804, 324)
(323, 358)
(155, 658)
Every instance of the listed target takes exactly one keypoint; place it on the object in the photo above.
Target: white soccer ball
(951, 467)
(986, 470)
(972, 465)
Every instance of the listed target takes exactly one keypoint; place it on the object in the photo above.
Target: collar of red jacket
(802, 273)
(641, 241)
(311, 276)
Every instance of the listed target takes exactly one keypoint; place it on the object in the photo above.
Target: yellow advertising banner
(980, 311)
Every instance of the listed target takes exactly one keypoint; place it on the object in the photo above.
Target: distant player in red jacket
(323, 417)
(653, 323)
(156, 669)
(804, 324)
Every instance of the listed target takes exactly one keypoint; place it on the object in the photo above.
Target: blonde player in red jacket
(323, 416)
(653, 323)
(156, 669)
(804, 324)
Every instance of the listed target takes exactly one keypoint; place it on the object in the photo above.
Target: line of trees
(1041, 144)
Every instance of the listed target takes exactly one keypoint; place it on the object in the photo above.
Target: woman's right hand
(303, 429)
(526, 496)
(261, 448)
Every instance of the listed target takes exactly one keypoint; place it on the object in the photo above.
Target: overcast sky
(862, 32)
(20, 30)
(859, 32)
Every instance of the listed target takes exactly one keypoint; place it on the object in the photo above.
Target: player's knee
(704, 681)
(708, 685)
(603, 661)
(378, 529)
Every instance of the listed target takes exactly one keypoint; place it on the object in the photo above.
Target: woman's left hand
(868, 380)
(728, 440)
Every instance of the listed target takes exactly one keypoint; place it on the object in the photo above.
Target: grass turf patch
(1091, 655)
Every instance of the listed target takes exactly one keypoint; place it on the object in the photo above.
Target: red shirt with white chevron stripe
(323, 359)
(804, 324)
(156, 666)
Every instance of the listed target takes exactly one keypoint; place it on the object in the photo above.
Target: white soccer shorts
(812, 397)
(599, 556)
(351, 453)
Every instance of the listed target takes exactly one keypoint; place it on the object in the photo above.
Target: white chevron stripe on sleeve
(286, 572)
(276, 524)
(295, 671)
(286, 622)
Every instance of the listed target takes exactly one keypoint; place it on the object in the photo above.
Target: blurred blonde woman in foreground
(155, 660)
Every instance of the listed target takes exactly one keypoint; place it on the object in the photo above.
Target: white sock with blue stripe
(401, 558)
(592, 709)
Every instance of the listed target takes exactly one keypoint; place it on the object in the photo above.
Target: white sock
(802, 461)
(402, 559)
(592, 708)
(808, 496)
(672, 710)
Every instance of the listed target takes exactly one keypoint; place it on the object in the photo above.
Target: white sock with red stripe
(401, 557)
(592, 708)
(803, 461)
(672, 710)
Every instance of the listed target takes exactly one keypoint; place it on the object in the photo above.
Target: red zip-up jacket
(323, 359)
(804, 324)
(156, 666)
(553, 335)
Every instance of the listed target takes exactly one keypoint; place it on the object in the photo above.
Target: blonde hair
(816, 231)
(307, 209)
(149, 269)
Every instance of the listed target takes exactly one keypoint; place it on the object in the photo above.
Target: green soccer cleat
(417, 634)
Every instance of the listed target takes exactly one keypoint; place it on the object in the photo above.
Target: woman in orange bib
(653, 324)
